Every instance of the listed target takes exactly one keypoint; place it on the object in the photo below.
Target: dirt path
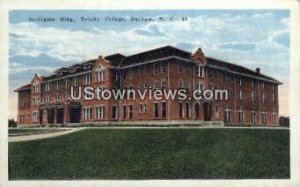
(42, 136)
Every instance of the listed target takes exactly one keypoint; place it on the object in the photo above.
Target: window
(57, 97)
(263, 85)
(124, 111)
(130, 111)
(187, 68)
(227, 116)
(227, 78)
(143, 108)
(130, 74)
(263, 98)
(87, 112)
(57, 85)
(274, 118)
(156, 85)
(142, 69)
(100, 74)
(155, 110)
(253, 96)
(47, 99)
(200, 86)
(273, 87)
(241, 116)
(180, 67)
(240, 82)
(273, 99)
(252, 83)
(264, 117)
(187, 110)
(114, 113)
(163, 109)
(180, 110)
(253, 117)
(200, 71)
(188, 85)
(241, 95)
(75, 81)
(163, 67)
(163, 84)
(35, 117)
(100, 112)
(181, 84)
(36, 87)
(87, 79)
(86, 67)
(66, 96)
(47, 86)
(156, 68)
(66, 83)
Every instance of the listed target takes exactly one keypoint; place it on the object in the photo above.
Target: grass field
(154, 154)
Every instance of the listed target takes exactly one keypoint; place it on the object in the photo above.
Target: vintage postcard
(131, 94)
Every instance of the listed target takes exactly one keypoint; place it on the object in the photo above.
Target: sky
(251, 38)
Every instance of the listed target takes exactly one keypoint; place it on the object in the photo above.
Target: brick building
(253, 96)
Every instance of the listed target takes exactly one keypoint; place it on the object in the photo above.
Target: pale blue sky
(252, 38)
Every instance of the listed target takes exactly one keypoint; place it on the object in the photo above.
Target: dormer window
(100, 74)
(200, 71)
(86, 67)
(36, 87)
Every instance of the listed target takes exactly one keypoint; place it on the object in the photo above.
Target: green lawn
(154, 154)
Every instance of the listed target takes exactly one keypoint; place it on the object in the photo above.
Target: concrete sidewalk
(42, 136)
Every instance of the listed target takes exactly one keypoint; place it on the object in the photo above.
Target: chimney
(257, 70)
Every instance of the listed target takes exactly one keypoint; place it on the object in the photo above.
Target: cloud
(239, 46)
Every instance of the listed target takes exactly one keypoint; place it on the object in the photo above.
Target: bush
(284, 121)
(12, 123)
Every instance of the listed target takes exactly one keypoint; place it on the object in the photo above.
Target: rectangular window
(156, 68)
(124, 112)
(180, 110)
(253, 117)
(57, 85)
(87, 79)
(163, 84)
(100, 75)
(200, 71)
(187, 110)
(100, 112)
(274, 118)
(75, 81)
(241, 95)
(114, 113)
(240, 82)
(156, 85)
(66, 84)
(87, 113)
(163, 67)
(155, 110)
(264, 117)
(200, 86)
(47, 86)
(57, 97)
(130, 111)
(263, 98)
(227, 116)
(253, 96)
(142, 69)
(188, 85)
(163, 109)
(241, 116)
(181, 84)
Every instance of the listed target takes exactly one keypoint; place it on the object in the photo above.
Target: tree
(12, 123)
(284, 121)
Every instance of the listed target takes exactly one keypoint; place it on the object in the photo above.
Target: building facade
(252, 96)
